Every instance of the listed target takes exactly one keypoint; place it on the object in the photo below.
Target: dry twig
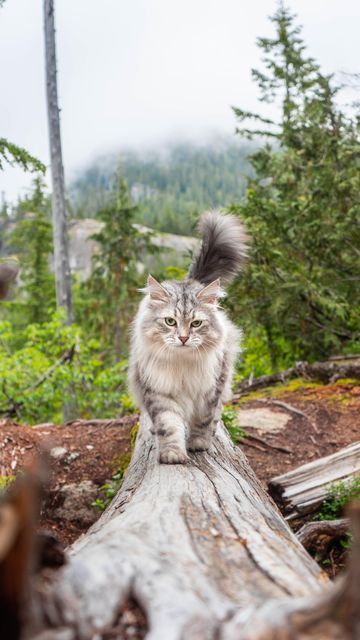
(262, 441)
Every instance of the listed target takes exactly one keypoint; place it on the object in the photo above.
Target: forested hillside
(172, 185)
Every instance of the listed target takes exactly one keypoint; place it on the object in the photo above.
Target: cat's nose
(184, 339)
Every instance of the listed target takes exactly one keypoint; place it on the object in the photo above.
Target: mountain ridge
(171, 185)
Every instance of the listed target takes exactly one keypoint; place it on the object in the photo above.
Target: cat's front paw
(173, 455)
(198, 444)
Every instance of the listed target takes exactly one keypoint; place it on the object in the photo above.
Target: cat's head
(182, 315)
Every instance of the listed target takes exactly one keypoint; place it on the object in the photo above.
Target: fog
(140, 73)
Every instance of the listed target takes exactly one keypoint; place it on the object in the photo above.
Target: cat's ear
(211, 292)
(156, 290)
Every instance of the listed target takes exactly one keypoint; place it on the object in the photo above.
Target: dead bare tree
(61, 250)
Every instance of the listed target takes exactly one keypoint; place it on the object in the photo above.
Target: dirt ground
(332, 423)
(76, 453)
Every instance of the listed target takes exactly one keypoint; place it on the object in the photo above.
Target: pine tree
(110, 296)
(32, 240)
(302, 206)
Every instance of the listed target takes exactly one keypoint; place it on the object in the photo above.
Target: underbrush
(332, 554)
(51, 363)
(230, 419)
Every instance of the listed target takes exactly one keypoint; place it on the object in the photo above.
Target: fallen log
(302, 490)
(349, 356)
(324, 372)
(204, 552)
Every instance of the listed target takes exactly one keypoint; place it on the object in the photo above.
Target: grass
(340, 495)
(230, 419)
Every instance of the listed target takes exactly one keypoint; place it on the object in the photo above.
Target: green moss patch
(280, 389)
(5, 481)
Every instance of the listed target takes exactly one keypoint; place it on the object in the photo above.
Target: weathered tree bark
(61, 250)
(201, 548)
(303, 490)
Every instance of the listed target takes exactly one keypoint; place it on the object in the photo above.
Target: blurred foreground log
(302, 490)
(202, 550)
(18, 514)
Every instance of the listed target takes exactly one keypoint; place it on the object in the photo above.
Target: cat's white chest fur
(187, 379)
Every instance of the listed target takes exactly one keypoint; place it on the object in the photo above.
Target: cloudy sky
(137, 73)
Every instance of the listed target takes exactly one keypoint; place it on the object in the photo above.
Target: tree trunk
(61, 250)
(303, 490)
(201, 548)
(271, 345)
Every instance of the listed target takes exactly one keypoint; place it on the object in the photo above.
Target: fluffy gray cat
(184, 346)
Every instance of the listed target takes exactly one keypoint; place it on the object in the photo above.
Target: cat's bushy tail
(223, 248)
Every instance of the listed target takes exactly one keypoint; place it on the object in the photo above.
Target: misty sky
(137, 73)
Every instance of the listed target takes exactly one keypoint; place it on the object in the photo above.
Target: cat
(183, 345)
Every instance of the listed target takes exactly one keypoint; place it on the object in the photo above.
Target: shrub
(340, 494)
(36, 376)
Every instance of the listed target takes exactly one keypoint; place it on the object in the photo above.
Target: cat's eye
(171, 322)
(196, 323)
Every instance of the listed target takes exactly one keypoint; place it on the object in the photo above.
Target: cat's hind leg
(204, 426)
(200, 436)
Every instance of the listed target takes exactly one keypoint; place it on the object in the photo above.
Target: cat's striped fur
(180, 372)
